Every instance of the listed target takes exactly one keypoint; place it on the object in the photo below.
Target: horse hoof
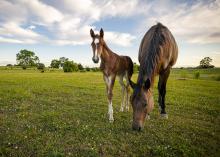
(127, 109)
(147, 117)
(111, 120)
(164, 116)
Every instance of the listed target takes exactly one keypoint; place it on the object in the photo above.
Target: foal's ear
(147, 84)
(92, 33)
(101, 33)
(132, 84)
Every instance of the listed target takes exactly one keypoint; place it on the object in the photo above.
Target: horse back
(168, 48)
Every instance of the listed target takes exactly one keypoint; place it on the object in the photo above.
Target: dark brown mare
(112, 65)
(158, 52)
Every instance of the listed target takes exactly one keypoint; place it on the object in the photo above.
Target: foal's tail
(130, 68)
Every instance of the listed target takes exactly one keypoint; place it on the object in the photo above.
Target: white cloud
(11, 32)
(42, 13)
(198, 23)
(32, 27)
(123, 39)
(68, 22)
(8, 40)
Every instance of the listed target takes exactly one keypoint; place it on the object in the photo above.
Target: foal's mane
(151, 59)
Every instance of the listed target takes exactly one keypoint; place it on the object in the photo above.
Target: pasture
(65, 114)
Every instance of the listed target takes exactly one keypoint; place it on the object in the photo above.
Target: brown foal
(112, 65)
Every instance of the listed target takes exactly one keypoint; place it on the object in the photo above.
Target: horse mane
(153, 52)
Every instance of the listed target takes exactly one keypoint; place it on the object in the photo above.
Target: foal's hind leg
(110, 80)
(122, 93)
(162, 92)
(127, 92)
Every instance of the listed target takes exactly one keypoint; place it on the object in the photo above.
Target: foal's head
(142, 103)
(97, 44)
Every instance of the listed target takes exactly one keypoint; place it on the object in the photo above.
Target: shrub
(70, 66)
(217, 78)
(87, 69)
(24, 67)
(196, 74)
(41, 66)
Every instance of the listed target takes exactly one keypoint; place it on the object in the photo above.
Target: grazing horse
(158, 52)
(112, 65)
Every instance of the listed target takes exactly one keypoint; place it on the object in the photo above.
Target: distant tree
(95, 69)
(70, 66)
(87, 68)
(26, 58)
(80, 67)
(55, 63)
(41, 66)
(9, 65)
(62, 60)
(205, 63)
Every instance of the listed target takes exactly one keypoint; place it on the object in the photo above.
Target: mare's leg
(122, 93)
(110, 80)
(162, 91)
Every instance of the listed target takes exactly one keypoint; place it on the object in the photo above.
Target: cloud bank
(68, 22)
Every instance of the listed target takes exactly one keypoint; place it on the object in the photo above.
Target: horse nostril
(139, 129)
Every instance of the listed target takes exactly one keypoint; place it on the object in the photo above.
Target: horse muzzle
(137, 126)
(95, 60)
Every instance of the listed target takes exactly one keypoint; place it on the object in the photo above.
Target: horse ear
(132, 84)
(147, 84)
(101, 33)
(92, 33)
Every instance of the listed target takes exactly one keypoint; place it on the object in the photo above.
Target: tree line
(26, 59)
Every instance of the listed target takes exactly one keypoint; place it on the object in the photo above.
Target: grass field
(65, 114)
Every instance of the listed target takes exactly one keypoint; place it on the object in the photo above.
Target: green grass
(65, 114)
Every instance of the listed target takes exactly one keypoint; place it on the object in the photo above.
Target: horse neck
(106, 53)
(142, 77)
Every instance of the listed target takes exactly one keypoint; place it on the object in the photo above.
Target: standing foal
(112, 65)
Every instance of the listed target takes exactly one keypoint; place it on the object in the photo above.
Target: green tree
(80, 67)
(87, 68)
(55, 63)
(205, 63)
(26, 58)
(70, 66)
(41, 66)
(63, 60)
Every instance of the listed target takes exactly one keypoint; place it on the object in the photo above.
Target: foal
(112, 65)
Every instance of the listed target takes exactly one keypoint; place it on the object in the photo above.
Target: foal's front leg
(109, 80)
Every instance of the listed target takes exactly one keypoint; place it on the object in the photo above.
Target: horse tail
(130, 68)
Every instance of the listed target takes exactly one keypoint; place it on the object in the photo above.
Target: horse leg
(122, 92)
(127, 92)
(110, 84)
(162, 92)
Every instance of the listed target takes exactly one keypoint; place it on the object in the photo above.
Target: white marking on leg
(147, 117)
(110, 112)
(109, 81)
(127, 94)
(122, 93)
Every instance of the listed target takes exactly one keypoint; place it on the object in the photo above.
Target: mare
(158, 52)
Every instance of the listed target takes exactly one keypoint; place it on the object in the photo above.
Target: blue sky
(57, 28)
